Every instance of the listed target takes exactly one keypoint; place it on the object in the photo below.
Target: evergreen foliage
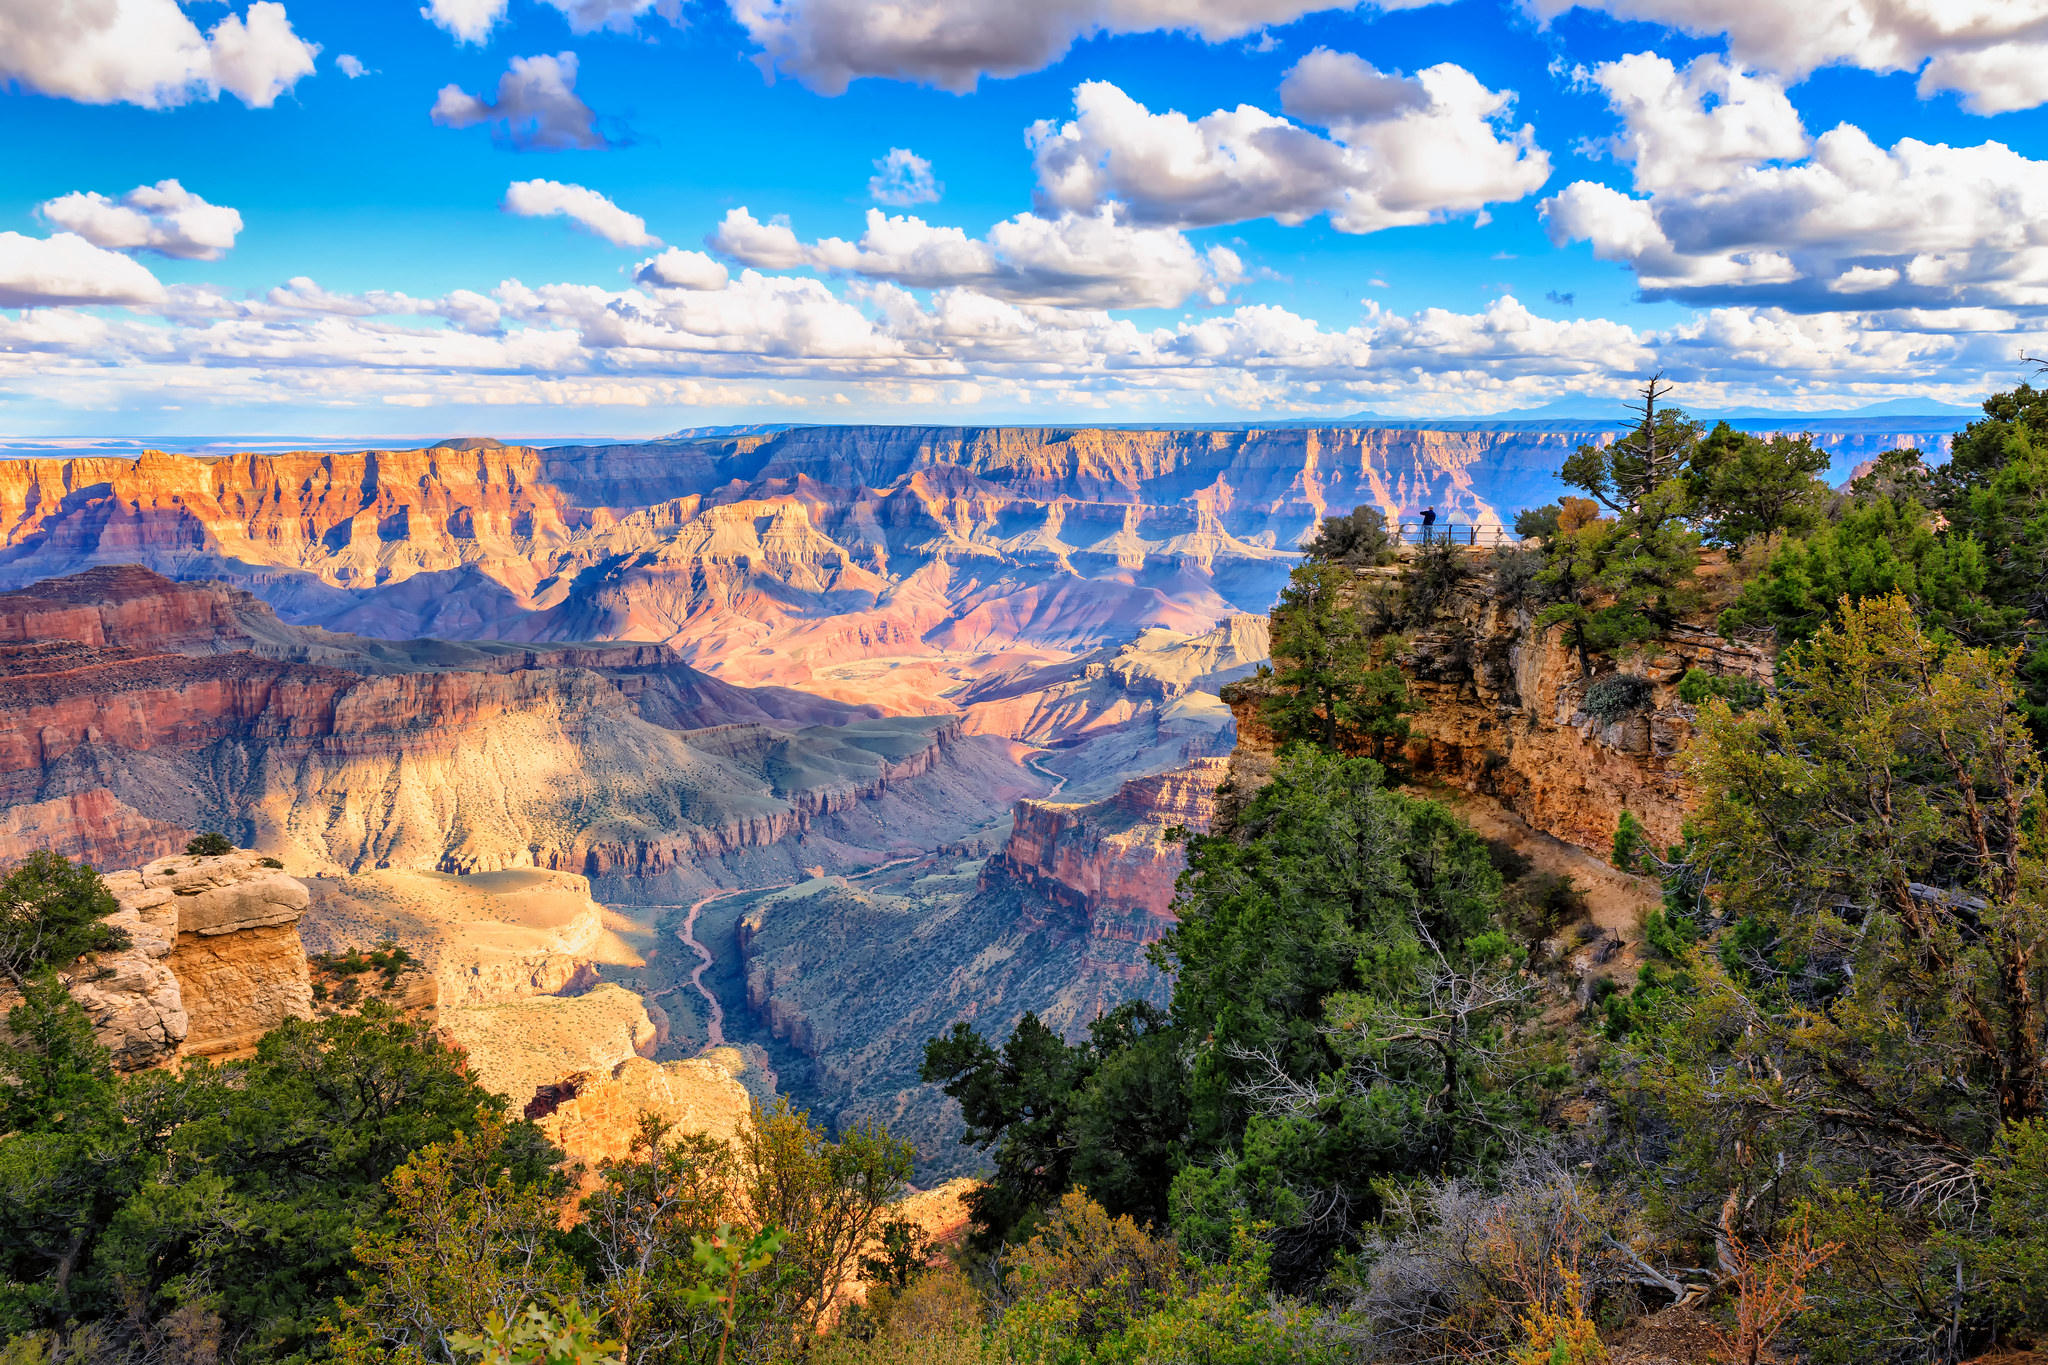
(1335, 690)
(50, 915)
(1358, 539)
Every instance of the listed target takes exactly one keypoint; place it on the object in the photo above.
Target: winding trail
(714, 1031)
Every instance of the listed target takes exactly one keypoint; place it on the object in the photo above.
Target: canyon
(897, 726)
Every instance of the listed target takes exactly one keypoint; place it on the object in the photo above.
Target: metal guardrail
(1444, 533)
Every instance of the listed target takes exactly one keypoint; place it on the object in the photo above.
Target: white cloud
(351, 65)
(37, 272)
(1993, 52)
(954, 43)
(903, 178)
(1922, 225)
(587, 208)
(679, 269)
(619, 16)
(165, 218)
(1327, 88)
(1698, 130)
(1862, 279)
(1403, 151)
(794, 342)
(536, 106)
(471, 21)
(1075, 260)
(148, 52)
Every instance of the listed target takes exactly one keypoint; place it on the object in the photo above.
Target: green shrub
(1699, 686)
(1616, 697)
(1632, 847)
(211, 844)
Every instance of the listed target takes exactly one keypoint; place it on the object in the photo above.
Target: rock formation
(346, 754)
(214, 961)
(1502, 713)
(484, 937)
(1111, 860)
(601, 1112)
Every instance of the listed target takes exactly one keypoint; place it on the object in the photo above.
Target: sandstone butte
(1112, 859)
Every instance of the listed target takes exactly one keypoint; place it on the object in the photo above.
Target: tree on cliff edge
(1334, 694)
(51, 913)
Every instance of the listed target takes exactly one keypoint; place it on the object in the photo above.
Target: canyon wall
(853, 977)
(1501, 712)
(1111, 860)
(113, 746)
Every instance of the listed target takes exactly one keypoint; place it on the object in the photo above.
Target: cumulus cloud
(903, 178)
(1402, 150)
(1081, 260)
(536, 106)
(471, 21)
(954, 43)
(584, 207)
(1994, 53)
(1327, 88)
(351, 65)
(679, 269)
(619, 16)
(165, 218)
(37, 272)
(1698, 129)
(762, 337)
(1920, 224)
(148, 52)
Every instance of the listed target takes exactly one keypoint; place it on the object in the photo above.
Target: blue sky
(555, 217)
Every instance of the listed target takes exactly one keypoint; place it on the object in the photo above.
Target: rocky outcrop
(483, 938)
(523, 1045)
(1111, 860)
(372, 760)
(1502, 712)
(601, 1112)
(214, 960)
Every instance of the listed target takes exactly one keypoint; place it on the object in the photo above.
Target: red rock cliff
(1111, 858)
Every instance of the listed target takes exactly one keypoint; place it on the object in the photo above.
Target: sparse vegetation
(210, 844)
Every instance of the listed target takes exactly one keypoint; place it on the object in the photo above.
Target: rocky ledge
(214, 960)
(1112, 859)
(1507, 711)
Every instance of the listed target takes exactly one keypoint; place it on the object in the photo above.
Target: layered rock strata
(112, 746)
(214, 961)
(1112, 860)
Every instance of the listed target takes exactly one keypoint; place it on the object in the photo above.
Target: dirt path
(1615, 900)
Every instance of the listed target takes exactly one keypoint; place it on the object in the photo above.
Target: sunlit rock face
(213, 962)
(137, 710)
